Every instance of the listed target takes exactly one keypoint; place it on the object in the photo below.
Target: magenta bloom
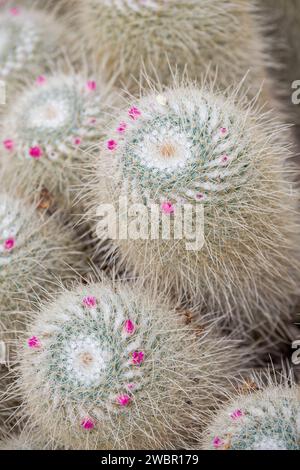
(122, 127)
(138, 358)
(223, 130)
(91, 85)
(9, 244)
(134, 113)
(35, 152)
(34, 342)
(41, 79)
(9, 144)
(90, 301)
(167, 208)
(124, 400)
(217, 442)
(237, 414)
(112, 145)
(129, 327)
(87, 423)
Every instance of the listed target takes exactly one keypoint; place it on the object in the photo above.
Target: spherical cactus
(8, 403)
(34, 249)
(17, 443)
(29, 38)
(107, 367)
(209, 36)
(189, 157)
(282, 23)
(265, 420)
(49, 129)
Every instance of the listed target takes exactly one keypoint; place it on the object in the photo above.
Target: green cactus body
(267, 420)
(113, 369)
(192, 147)
(49, 127)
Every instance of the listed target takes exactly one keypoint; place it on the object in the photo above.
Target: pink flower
(236, 414)
(112, 145)
(138, 357)
(122, 127)
(223, 130)
(34, 342)
(77, 141)
(9, 244)
(200, 196)
(41, 79)
(123, 400)
(35, 152)
(90, 301)
(130, 386)
(91, 85)
(224, 159)
(134, 113)
(87, 423)
(129, 327)
(9, 144)
(15, 11)
(167, 208)
(217, 442)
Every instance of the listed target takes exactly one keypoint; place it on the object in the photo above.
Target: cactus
(106, 367)
(17, 443)
(189, 148)
(206, 35)
(282, 21)
(8, 404)
(266, 420)
(29, 39)
(34, 248)
(47, 129)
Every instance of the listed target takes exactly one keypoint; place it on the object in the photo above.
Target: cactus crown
(183, 145)
(107, 359)
(24, 38)
(55, 116)
(266, 420)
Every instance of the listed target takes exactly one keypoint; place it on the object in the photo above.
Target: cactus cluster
(208, 36)
(191, 147)
(29, 37)
(265, 420)
(33, 249)
(50, 127)
(107, 367)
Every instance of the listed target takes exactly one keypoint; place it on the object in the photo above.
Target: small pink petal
(167, 208)
(217, 442)
(34, 342)
(15, 11)
(77, 141)
(41, 79)
(138, 357)
(122, 127)
(130, 386)
(90, 301)
(9, 244)
(9, 144)
(35, 152)
(123, 400)
(112, 145)
(224, 159)
(223, 130)
(91, 85)
(134, 113)
(237, 414)
(129, 327)
(200, 196)
(87, 423)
